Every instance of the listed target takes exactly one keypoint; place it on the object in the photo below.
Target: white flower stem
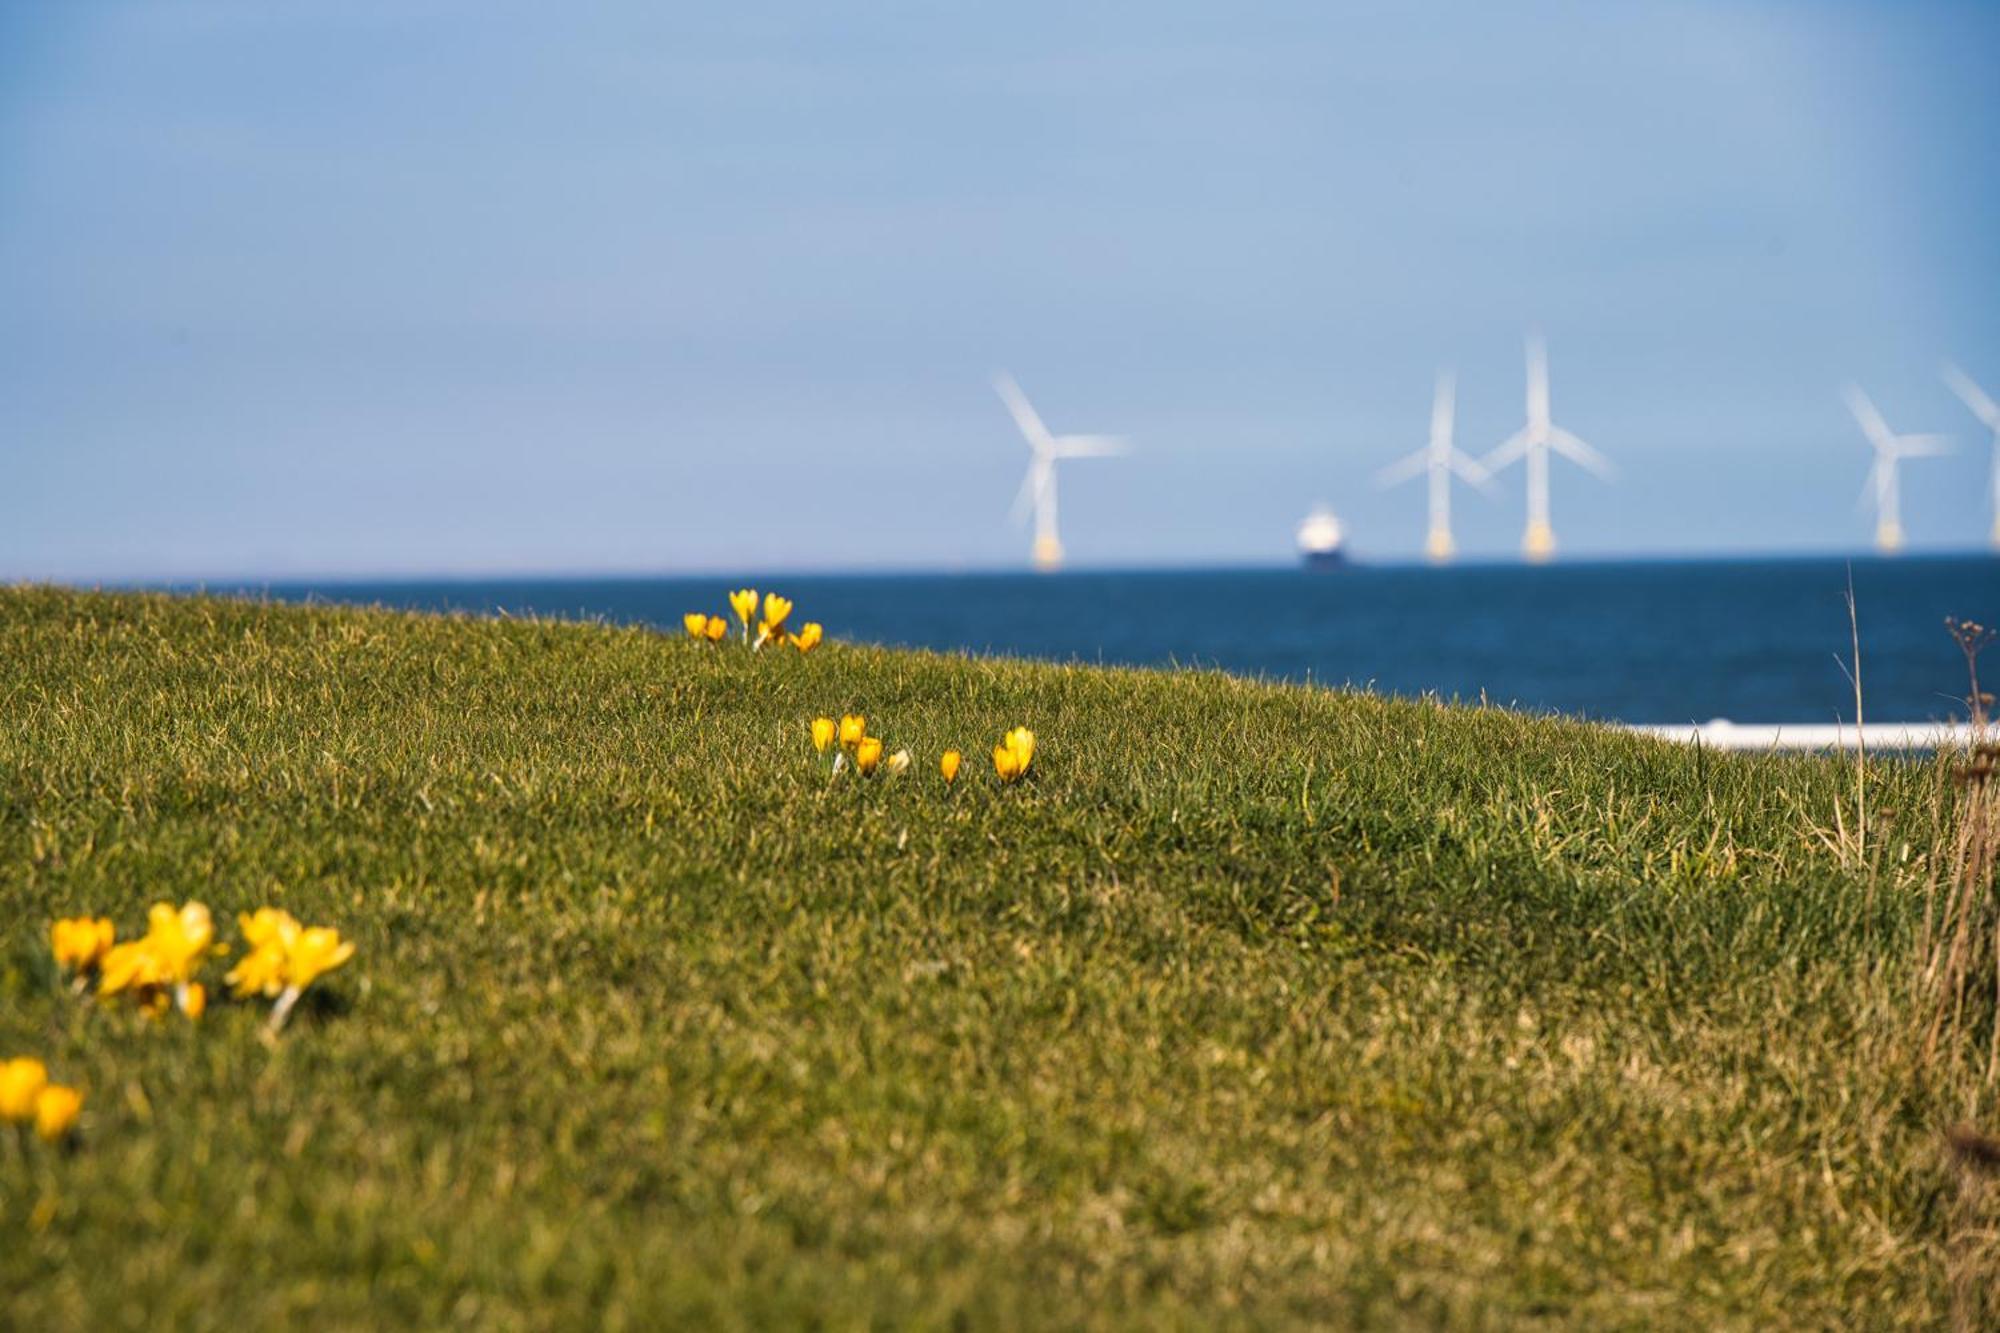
(282, 1010)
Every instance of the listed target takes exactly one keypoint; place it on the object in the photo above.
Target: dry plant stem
(1960, 967)
(1860, 740)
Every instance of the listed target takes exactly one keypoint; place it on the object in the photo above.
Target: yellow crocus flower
(268, 925)
(948, 763)
(867, 754)
(270, 932)
(179, 939)
(772, 628)
(193, 999)
(284, 958)
(134, 965)
(21, 1081)
(808, 636)
(716, 628)
(823, 733)
(261, 971)
(317, 951)
(56, 1109)
(853, 727)
(744, 602)
(80, 943)
(1014, 753)
(696, 623)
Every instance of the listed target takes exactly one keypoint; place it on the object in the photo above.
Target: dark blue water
(1754, 641)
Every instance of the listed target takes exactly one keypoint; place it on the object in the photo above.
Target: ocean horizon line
(177, 582)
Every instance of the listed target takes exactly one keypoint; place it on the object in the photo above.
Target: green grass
(1254, 1005)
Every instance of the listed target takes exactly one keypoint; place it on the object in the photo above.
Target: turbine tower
(1988, 413)
(1532, 443)
(1890, 449)
(1038, 488)
(1439, 460)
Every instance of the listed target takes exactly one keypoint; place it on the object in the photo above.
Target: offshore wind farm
(1321, 536)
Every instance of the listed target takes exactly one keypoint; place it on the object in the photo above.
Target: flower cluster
(770, 623)
(712, 628)
(849, 737)
(161, 963)
(853, 747)
(283, 959)
(159, 969)
(28, 1098)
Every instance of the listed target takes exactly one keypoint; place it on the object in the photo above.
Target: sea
(1655, 641)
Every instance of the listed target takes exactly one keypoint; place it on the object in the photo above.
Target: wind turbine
(1038, 488)
(1532, 443)
(1890, 449)
(1988, 413)
(1438, 459)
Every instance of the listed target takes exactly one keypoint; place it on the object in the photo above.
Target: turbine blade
(1973, 397)
(1023, 498)
(1470, 469)
(1922, 446)
(1577, 451)
(1090, 446)
(1538, 377)
(1866, 417)
(1023, 412)
(1400, 471)
(1443, 405)
(1866, 498)
(1507, 451)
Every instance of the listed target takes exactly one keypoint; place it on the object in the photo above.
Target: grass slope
(1255, 1005)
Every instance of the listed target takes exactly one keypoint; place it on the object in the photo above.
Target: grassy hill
(1252, 1005)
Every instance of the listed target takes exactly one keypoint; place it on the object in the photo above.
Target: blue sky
(292, 287)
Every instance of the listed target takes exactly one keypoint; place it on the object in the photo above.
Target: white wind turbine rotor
(1038, 488)
(1988, 413)
(1532, 445)
(1884, 479)
(1440, 461)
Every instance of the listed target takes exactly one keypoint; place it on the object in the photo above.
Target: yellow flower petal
(867, 754)
(317, 952)
(133, 965)
(744, 602)
(808, 636)
(178, 940)
(79, 943)
(853, 727)
(21, 1081)
(948, 763)
(261, 971)
(56, 1109)
(696, 623)
(823, 731)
